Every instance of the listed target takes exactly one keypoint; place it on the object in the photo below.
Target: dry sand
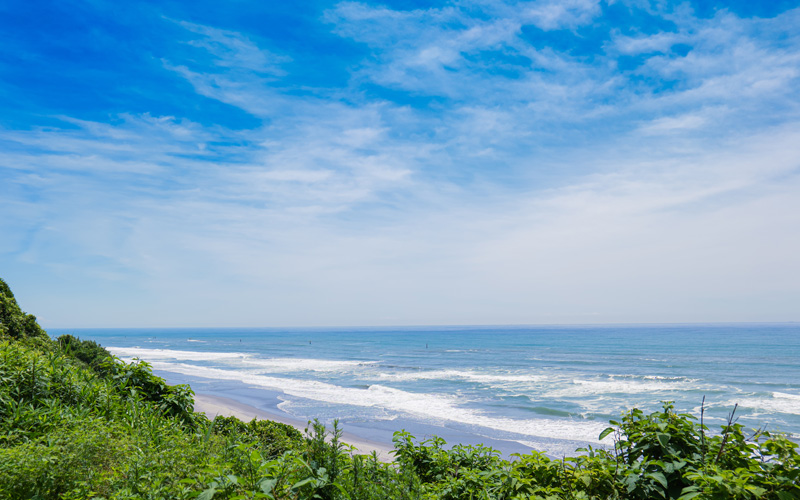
(226, 407)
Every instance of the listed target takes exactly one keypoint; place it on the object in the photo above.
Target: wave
(239, 359)
(541, 410)
(779, 402)
(469, 375)
(148, 354)
(275, 365)
(582, 388)
(304, 364)
(429, 406)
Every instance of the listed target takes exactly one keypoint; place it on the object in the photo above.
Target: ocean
(549, 388)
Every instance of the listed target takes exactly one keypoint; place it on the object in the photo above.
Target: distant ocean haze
(548, 388)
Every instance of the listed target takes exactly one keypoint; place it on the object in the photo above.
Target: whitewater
(515, 388)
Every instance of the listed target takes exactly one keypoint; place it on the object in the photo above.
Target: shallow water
(550, 388)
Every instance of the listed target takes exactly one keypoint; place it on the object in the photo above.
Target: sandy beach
(213, 405)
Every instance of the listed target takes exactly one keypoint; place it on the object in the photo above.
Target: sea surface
(514, 388)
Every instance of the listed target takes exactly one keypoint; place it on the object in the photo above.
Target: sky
(323, 163)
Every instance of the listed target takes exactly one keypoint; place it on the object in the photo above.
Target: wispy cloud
(474, 168)
(569, 14)
(234, 50)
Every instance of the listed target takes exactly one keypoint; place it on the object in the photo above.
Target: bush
(87, 351)
(48, 468)
(271, 438)
(136, 380)
(669, 455)
(13, 322)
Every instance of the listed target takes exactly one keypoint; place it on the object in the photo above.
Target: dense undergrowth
(77, 423)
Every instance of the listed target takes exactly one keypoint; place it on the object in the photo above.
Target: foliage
(669, 455)
(137, 380)
(13, 322)
(88, 351)
(77, 423)
(271, 438)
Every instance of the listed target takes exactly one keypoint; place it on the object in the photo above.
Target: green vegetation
(77, 423)
(13, 322)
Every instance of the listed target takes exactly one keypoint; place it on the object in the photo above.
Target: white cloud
(562, 193)
(642, 44)
(670, 124)
(561, 14)
(234, 50)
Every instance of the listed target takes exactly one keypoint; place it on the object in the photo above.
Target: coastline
(213, 405)
(80, 438)
(544, 389)
(232, 397)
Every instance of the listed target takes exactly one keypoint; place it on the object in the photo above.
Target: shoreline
(232, 397)
(213, 405)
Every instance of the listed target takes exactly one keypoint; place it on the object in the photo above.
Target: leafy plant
(13, 322)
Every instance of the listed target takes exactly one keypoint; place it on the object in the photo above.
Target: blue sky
(252, 163)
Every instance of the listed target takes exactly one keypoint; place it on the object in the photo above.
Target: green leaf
(267, 485)
(660, 478)
(302, 483)
(207, 494)
(342, 490)
(663, 439)
(630, 481)
(606, 432)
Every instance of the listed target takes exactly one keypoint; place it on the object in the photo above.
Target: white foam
(148, 354)
(661, 377)
(430, 406)
(461, 375)
(236, 359)
(582, 388)
(557, 450)
(303, 364)
(780, 402)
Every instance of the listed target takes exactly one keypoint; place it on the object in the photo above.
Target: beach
(515, 389)
(214, 406)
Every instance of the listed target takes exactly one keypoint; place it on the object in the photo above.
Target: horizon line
(440, 326)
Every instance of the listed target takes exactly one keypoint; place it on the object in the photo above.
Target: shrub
(87, 351)
(272, 438)
(13, 322)
(48, 468)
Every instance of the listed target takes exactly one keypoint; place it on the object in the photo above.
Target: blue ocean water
(548, 388)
